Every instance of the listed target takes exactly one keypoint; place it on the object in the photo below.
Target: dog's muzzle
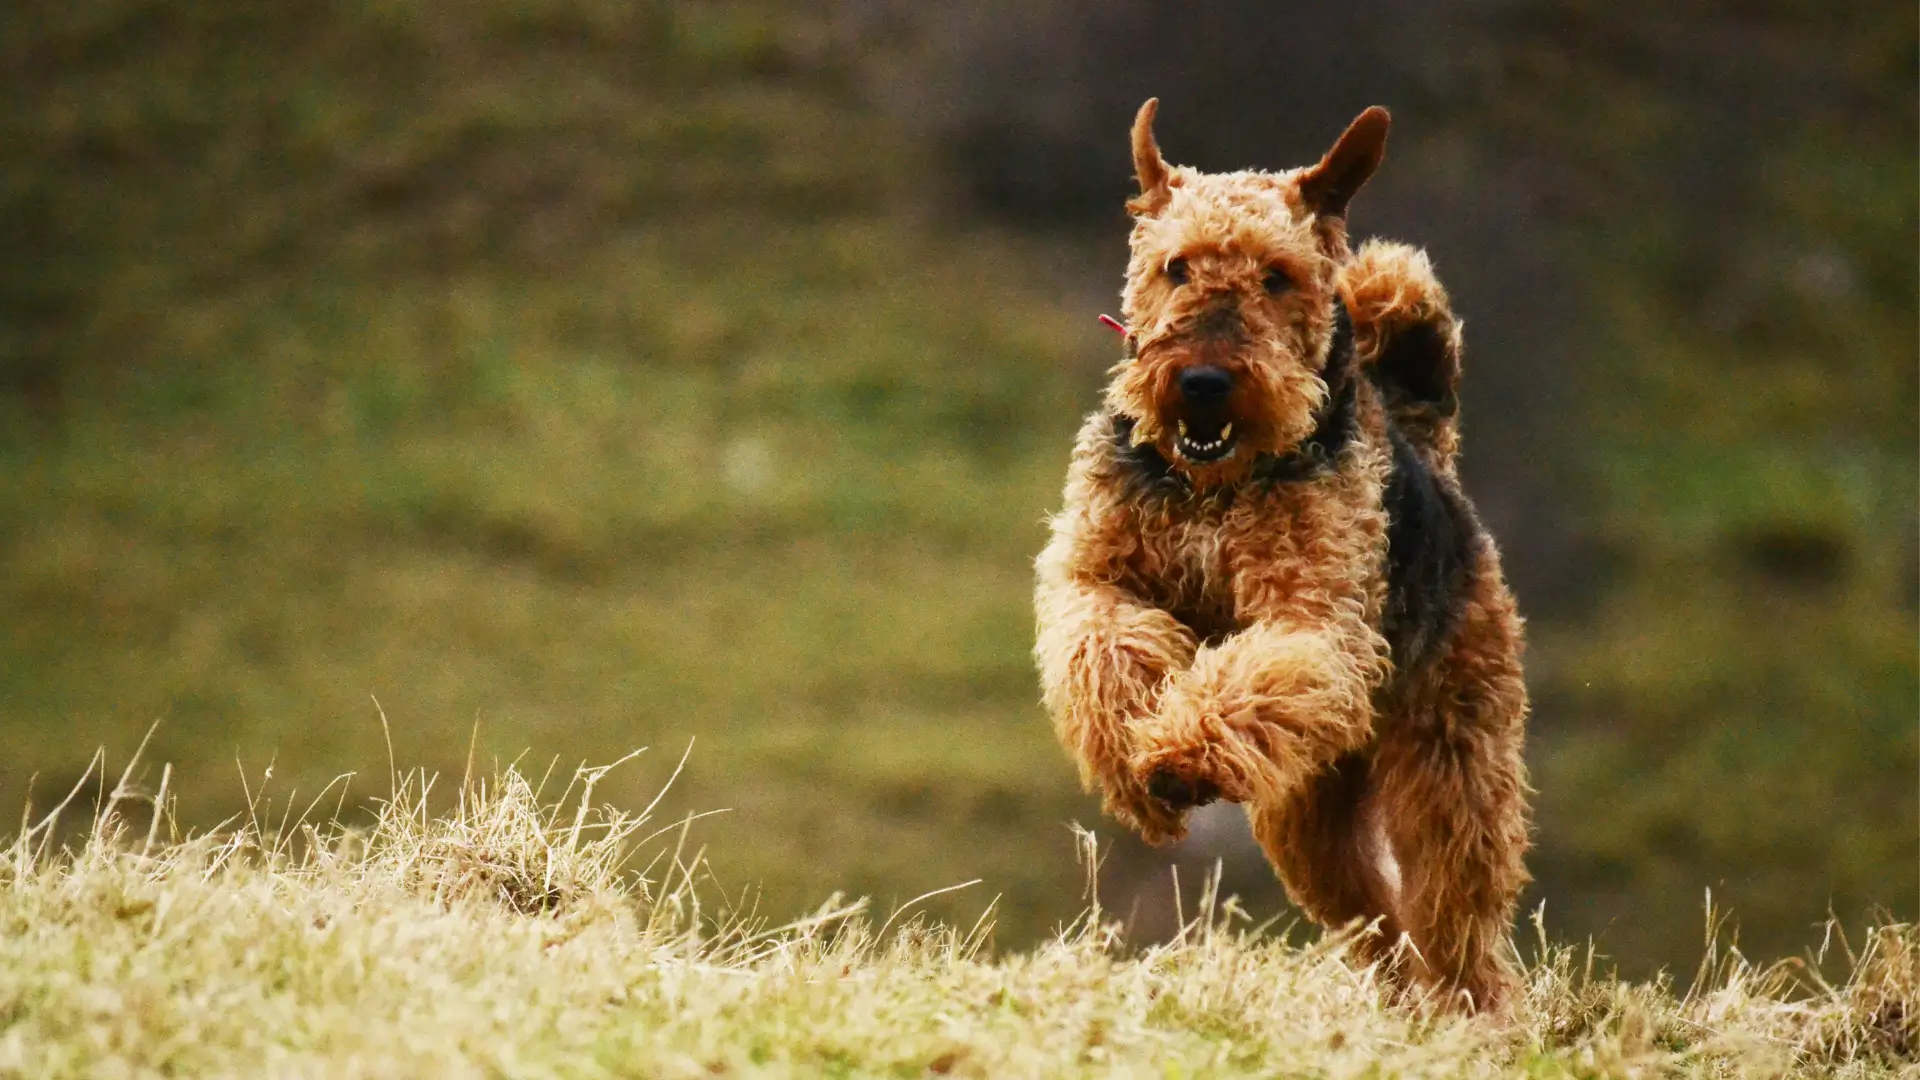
(1205, 425)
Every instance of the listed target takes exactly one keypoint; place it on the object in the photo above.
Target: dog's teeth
(1226, 433)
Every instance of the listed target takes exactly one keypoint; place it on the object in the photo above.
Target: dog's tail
(1407, 340)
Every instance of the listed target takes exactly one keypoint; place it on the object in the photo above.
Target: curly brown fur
(1266, 586)
(1408, 341)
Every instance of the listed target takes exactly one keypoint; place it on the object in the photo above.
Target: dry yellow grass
(518, 935)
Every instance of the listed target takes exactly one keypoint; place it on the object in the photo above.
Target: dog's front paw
(1157, 821)
(1183, 754)
(1183, 776)
(1177, 792)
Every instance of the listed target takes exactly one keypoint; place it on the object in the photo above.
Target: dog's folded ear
(1155, 178)
(1330, 185)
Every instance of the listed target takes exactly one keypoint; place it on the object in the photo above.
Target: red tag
(1118, 326)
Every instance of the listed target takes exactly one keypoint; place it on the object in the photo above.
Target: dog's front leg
(1105, 657)
(1258, 713)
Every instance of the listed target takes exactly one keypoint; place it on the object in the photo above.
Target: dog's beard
(1273, 410)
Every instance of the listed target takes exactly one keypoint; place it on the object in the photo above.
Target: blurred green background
(573, 376)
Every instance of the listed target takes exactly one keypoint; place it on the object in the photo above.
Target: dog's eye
(1276, 281)
(1177, 271)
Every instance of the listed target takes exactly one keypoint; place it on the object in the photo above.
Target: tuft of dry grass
(515, 933)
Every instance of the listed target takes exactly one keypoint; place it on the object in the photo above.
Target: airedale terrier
(1266, 585)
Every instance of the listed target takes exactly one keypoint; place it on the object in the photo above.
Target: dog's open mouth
(1202, 446)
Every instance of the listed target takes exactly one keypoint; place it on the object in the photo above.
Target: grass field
(485, 521)
(530, 935)
(764, 466)
(568, 375)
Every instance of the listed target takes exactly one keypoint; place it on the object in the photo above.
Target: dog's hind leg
(1329, 856)
(1448, 785)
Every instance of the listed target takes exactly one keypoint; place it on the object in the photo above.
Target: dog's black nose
(1205, 385)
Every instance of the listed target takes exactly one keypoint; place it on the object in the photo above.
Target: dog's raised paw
(1178, 792)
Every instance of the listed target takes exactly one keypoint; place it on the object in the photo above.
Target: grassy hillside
(703, 431)
(446, 500)
(569, 374)
(522, 935)
(1742, 698)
